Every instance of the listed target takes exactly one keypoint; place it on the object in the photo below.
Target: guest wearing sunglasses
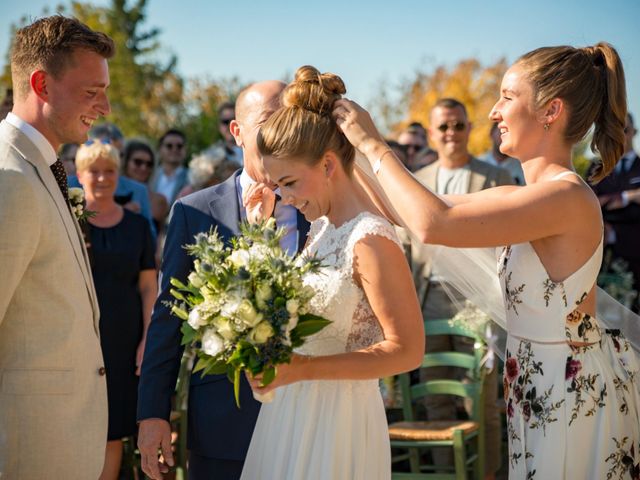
(139, 164)
(455, 172)
(171, 177)
(416, 147)
(233, 153)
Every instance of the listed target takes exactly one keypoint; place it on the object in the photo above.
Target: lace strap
(314, 229)
(368, 225)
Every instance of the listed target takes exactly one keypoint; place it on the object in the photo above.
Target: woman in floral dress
(571, 386)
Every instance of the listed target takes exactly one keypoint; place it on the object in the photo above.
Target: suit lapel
(32, 155)
(478, 178)
(225, 207)
(428, 175)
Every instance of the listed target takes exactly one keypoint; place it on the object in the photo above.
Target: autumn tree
(145, 94)
(473, 84)
(202, 97)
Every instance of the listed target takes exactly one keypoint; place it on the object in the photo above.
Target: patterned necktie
(61, 177)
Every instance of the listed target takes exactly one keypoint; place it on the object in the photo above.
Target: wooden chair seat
(432, 430)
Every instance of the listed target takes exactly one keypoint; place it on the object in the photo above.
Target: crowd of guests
(131, 184)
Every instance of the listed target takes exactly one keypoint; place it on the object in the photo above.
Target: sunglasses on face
(91, 141)
(226, 121)
(456, 126)
(138, 162)
(174, 146)
(411, 146)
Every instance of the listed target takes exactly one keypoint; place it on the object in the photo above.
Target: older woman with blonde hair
(122, 262)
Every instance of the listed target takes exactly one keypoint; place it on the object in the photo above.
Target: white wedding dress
(329, 429)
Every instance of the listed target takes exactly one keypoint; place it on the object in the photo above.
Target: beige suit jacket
(53, 403)
(483, 176)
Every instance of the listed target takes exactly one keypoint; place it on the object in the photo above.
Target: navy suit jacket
(625, 221)
(217, 428)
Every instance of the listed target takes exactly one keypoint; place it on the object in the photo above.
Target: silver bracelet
(378, 163)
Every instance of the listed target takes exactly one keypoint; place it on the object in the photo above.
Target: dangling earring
(546, 127)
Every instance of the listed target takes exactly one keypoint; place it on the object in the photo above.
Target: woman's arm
(382, 270)
(488, 193)
(505, 215)
(148, 286)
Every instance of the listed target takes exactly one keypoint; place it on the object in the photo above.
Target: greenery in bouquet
(245, 306)
(616, 279)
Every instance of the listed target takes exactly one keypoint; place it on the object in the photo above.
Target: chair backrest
(472, 362)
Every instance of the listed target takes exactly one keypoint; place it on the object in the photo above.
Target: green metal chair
(465, 437)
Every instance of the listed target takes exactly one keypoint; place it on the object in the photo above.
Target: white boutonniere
(77, 204)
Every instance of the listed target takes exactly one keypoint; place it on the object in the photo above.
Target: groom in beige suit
(53, 404)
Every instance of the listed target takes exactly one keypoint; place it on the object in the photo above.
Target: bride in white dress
(327, 420)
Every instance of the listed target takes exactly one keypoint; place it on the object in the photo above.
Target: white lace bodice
(338, 298)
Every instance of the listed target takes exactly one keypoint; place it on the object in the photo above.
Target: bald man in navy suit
(218, 432)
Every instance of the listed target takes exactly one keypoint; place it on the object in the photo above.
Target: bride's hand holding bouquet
(244, 306)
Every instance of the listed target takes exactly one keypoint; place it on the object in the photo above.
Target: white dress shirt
(41, 143)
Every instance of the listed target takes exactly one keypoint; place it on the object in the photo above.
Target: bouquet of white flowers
(245, 306)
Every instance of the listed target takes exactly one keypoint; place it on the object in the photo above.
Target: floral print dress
(572, 412)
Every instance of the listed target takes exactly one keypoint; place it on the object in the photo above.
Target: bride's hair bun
(313, 91)
(303, 129)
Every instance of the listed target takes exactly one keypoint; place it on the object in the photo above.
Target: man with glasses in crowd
(416, 147)
(226, 115)
(455, 172)
(171, 177)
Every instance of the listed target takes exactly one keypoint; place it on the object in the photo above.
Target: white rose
(261, 333)
(239, 258)
(225, 329)
(231, 306)
(195, 280)
(212, 343)
(263, 294)
(76, 194)
(248, 314)
(292, 306)
(195, 319)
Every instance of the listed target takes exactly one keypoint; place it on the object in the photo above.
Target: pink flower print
(573, 367)
(511, 367)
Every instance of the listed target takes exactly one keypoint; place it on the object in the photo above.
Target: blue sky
(366, 42)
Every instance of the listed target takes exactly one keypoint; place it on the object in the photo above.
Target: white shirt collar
(41, 143)
(245, 181)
